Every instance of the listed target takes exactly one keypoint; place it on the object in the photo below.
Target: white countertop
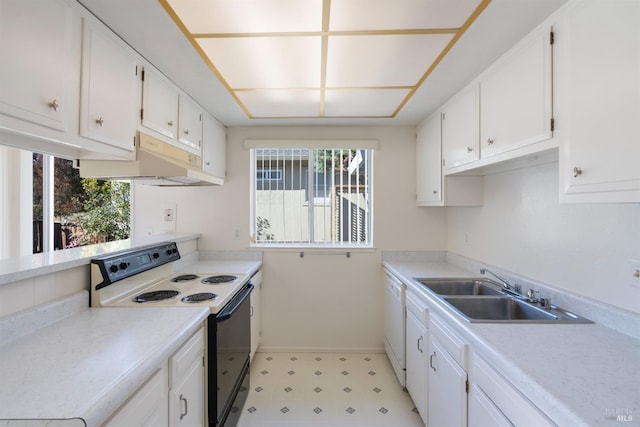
(87, 364)
(577, 374)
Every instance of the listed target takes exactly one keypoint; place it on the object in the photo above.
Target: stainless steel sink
(505, 309)
(461, 286)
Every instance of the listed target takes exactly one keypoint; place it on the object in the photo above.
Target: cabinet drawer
(516, 407)
(191, 352)
(452, 343)
(417, 307)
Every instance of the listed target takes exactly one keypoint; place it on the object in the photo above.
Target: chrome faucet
(515, 289)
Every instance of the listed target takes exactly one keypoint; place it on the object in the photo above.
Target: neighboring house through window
(311, 196)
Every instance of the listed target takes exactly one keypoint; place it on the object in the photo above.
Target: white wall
(328, 302)
(521, 227)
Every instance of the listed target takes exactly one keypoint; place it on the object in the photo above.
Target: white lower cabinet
(416, 353)
(495, 402)
(256, 313)
(173, 396)
(147, 406)
(448, 384)
(186, 383)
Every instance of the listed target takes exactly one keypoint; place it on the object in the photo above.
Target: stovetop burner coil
(156, 296)
(222, 278)
(203, 296)
(184, 278)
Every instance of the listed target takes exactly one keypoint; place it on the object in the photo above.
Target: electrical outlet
(236, 233)
(168, 214)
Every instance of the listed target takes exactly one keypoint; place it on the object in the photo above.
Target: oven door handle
(235, 302)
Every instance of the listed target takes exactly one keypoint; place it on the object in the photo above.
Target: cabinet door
(447, 389)
(256, 315)
(147, 407)
(429, 161)
(599, 101)
(460, 128)
(110, 89)
(186, 408)
(416, 363)
(515, 98)
(159, 104)
(39, 83)
(483, 412)
(189, 123)
(214, 147)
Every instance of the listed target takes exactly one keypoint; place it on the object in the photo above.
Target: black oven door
(232, 346)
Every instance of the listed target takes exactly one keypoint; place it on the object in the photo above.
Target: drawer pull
(431, 356)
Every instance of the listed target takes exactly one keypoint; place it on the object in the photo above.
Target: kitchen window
(46, 206)
(306, 195)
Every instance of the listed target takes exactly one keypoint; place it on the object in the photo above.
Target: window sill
(28, 266)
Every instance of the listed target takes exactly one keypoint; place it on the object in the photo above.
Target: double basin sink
(484, 301)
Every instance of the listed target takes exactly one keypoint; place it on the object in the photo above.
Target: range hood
(157, 163)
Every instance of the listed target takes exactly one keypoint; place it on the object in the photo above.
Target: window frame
(369, 145)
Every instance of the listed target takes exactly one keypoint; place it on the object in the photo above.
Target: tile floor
(326, 390)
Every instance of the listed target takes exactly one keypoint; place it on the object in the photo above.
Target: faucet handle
(531, 295)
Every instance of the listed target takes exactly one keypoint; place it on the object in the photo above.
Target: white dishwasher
(395, 324)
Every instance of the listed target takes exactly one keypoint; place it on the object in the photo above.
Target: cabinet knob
(170, 123)
(186, 131)
(469, 149)
(54, 105)
(208, 163)
(435, 191)
(100, 121)
(577, 171)
(490, 141)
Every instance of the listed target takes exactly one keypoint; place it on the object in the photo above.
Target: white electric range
(145, 277)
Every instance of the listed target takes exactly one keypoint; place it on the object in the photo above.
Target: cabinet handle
(100, 121)
(469, 149)
(186, 131)
(170, 123)
(54, 105)
(431, 356)
(577, 171)
(186, 407)
(251, 311)
(490, 141)
(418, 344)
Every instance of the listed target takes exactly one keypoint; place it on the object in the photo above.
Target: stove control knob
(168, 251)
(156, 255)
(113, 268)
(174, 250)
(123, 266)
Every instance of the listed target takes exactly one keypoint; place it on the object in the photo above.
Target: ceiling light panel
(359, 15)
(381, 60)
(249, 16)
(281, 103)
(266, 62)
(363, 103)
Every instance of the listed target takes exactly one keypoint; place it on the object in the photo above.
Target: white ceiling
(147, 27)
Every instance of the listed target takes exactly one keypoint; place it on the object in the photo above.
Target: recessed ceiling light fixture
(323, 58)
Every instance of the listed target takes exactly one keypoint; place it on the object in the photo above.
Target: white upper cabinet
(460, 128)
(111, 90)
(189, 123)
(598, 63)
(39, 73)
(429, 161)
(515, 97)
(214, 147)
(160, 100)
